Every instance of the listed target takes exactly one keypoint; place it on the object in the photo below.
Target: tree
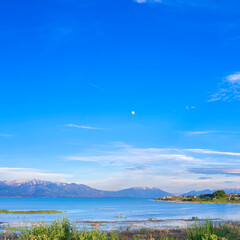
(219, 194)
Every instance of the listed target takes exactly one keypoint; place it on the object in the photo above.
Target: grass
(64, 230)
(207, 230)
(31, 212)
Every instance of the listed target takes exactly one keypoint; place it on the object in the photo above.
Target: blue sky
(72, 72)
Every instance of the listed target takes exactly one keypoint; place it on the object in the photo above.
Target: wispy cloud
(212, 171)
(95, 86)
(234, 78)
(193, 3)
(136, 155)
(138, 168)
(228, 89)
(148, 1)
(7, 173)
(207, 151)
(201, 132)
(125, 166)
(6, 135)
(190, 107)
(81, 126)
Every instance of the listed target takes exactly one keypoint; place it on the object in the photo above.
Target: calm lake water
(114, 209)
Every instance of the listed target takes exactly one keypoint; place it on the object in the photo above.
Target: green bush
(62, 230)
(58, 230)
(220, 194)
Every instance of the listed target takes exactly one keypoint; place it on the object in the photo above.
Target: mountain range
(39, 188)
(207, 191)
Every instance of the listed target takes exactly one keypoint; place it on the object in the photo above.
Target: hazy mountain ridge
(39, 188)
(193, 192)
(207, 191)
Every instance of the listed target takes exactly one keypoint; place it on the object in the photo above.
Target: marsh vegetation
(31, 212)
(64, 230)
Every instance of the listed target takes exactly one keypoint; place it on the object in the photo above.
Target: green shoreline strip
(204, 202)
(31, 212)
(218, 197)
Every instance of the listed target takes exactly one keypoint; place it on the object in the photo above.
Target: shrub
(220, 194)
(59, 230)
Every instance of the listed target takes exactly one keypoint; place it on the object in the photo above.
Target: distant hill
(38, 188)
(207, 191)
(143, 192)
(232, 190)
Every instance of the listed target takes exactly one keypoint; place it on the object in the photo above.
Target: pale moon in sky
(133, 112)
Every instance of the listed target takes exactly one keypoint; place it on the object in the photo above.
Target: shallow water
(118, 211)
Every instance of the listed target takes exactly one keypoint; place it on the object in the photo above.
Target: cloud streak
(228, 89)
(136, 155)
(6, 135)
(148, 1)
(81, 126)
(219, 171)
(207, 151)
(95, 86)
(138, 168)
(193, 3)
(7, 173)
(201, 132)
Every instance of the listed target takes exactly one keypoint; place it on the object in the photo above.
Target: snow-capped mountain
(39, 188)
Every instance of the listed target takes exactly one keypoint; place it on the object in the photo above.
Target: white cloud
(81, 126)
(136, 155)
(207, 151)
(5, 135)
(119, 166)
(201, 132)
(138, 168)
(190, 107)
(228, 89)
(141, 1)
(148, 1)
(216, 170)
(30, 173)
(192, 3)
(233, 78)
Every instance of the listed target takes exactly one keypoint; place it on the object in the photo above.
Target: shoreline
(230, 203)
(133, 221)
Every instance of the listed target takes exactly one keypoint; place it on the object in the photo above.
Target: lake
(118, 211)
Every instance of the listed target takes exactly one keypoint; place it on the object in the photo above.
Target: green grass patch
(209, 231)
(31, 212)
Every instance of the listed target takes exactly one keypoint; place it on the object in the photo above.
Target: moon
(133, 112)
